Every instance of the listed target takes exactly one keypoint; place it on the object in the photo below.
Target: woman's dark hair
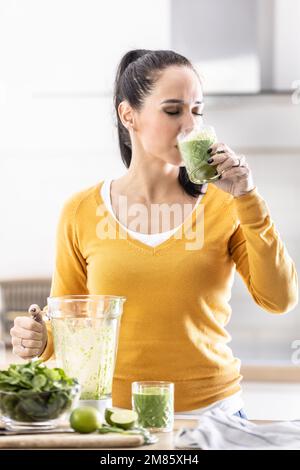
(137, 73)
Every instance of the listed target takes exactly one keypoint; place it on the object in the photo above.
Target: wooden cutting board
(69, 440)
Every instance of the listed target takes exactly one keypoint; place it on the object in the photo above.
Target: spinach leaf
(33, 392)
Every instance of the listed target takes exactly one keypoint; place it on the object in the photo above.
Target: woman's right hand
(29, 337)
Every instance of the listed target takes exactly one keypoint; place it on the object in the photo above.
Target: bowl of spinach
(34, 395)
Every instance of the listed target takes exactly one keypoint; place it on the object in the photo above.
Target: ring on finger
(239, 163)
(241, 160)
(22, 345)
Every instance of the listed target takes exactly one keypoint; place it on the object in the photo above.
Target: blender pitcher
(85, 333)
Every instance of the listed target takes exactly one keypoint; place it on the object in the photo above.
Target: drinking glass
(193, 146)
(154, 403)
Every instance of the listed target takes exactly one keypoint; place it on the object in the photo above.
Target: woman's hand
(236, 177)
(29, 337)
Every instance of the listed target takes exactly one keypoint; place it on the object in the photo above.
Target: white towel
(217, 430)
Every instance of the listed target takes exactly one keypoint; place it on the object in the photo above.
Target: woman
(178, 292)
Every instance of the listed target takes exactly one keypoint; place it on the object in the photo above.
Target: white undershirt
(151, 239)
(230, 404)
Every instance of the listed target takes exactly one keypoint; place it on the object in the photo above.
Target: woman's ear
(126, 115)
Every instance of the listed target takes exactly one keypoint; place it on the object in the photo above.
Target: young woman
(178, 292)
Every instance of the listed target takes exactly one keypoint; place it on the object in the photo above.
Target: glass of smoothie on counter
(153, 402)
(193, 148)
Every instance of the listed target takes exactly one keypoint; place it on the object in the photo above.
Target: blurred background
(57, 136)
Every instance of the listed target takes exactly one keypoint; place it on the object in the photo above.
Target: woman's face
(158, 123)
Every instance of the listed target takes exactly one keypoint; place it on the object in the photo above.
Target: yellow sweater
(177, 308)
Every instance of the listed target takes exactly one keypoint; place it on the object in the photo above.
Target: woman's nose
(189, 123)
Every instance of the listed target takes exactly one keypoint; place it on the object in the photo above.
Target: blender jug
(85, 333)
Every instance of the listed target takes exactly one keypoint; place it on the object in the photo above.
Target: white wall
(286, 43)
(57, 137)
(266, 130)
(220, 39)
(257, 334)
(57, 131)
(240, 45)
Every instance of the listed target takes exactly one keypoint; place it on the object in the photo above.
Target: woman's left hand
(236, 177)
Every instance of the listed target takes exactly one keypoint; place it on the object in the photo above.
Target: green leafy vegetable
(33, 392)
(148, 437)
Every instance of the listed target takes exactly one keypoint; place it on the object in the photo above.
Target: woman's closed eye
(172, 113)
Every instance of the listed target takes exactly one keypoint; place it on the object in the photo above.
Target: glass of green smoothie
(193, 148)
(154, 403)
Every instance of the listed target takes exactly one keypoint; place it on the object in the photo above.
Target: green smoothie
(155, 408)
(85, 348)
(193, 150)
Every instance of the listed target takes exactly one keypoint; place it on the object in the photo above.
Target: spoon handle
(35, 312)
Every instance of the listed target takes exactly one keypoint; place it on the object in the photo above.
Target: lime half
(107, 414)
(124, 419)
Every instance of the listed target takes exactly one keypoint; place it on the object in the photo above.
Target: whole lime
(85, 419)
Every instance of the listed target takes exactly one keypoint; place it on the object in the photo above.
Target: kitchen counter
(75, 441)
(165, 441)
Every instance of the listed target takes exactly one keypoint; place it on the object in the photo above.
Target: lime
(85, 419)
(107, 414)
(124, 419)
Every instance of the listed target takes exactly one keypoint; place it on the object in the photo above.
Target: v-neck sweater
(173, 325)
(151, 239)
